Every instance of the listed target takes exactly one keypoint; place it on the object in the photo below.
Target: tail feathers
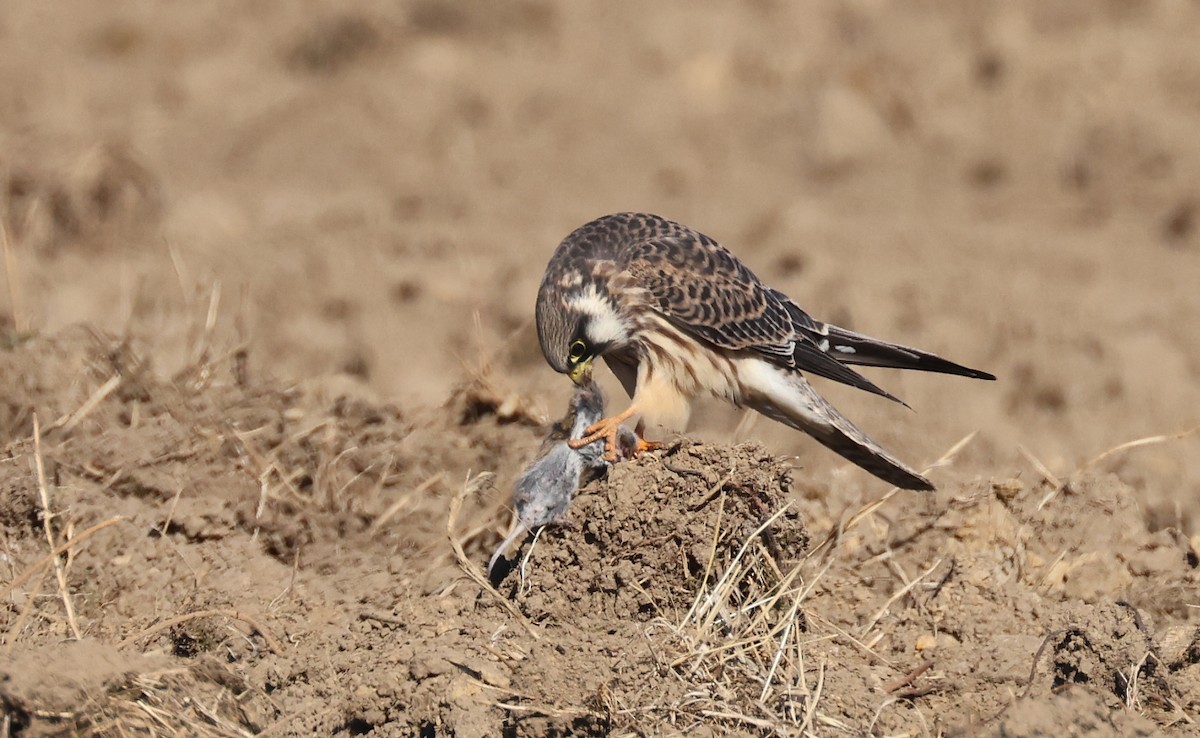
(827, 350)
(849, 347)
(787, 397)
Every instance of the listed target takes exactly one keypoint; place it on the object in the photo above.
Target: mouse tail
(518, 529)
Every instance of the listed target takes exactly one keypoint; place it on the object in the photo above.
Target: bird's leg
(609, 430)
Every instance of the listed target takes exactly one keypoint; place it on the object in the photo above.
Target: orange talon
(606, 430)
(643, 446)
(609, 429)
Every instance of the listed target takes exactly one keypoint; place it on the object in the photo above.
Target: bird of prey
(675, 315)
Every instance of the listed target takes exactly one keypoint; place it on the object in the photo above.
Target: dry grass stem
(181, 275)
(291, 585)
(269, 639)
(869, 509)
(214, 305)
(849, 638)
(896, 596)
(547, 711)
(908, 678)
(888, 703)
(738, 638)
(1132, 696)
(719, 594)
(737, 717)
(11, 637)
(44, 493)
(537, 536)
(69, 422)
(402, 503)
(16, 304)
(712, 550)
(1057, 486)
(1136, 443)
(789, 621)
(48, 558)
(476, 573)
(810, 707)
(1050, 477)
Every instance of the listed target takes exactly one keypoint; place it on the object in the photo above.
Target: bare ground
(269, 370)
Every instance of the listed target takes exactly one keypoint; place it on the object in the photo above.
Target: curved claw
(607, 430)
(642, 446)
(610, 431)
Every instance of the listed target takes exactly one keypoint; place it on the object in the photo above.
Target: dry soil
(269, 369)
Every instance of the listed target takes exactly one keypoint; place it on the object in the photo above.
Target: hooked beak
(582, 372)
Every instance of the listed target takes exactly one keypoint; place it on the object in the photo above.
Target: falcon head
(576, 322)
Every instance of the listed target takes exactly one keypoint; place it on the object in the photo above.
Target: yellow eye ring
(578, 351)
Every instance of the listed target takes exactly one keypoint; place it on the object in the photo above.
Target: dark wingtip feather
(855, 348)
(923, 486)
(872, 459)
(851, 444)
(892, 473)
(809, 358)
(928, 362)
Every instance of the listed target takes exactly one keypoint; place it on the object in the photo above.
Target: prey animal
(675, 315)
(545, 489)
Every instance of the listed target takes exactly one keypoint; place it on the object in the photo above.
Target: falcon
(675, 315)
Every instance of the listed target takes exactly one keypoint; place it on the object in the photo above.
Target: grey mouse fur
(545, 489)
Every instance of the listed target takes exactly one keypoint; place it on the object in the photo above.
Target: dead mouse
(545, 489)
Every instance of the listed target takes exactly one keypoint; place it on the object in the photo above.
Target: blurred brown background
(373, 188)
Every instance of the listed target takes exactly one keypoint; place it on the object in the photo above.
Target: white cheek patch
(605, 325)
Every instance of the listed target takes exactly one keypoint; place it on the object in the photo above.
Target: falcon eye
(578, 351)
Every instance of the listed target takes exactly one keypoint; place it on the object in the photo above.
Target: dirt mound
(645, 541)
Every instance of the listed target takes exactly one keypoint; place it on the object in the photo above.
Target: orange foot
(642, 446)
(609, 430)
